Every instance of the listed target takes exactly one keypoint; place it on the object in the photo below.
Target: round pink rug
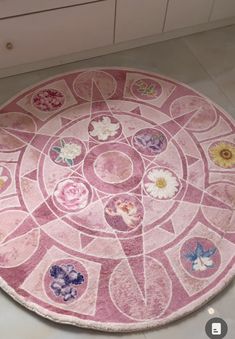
(117, 199)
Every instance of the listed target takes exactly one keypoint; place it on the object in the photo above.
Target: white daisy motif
(104, 128)
(163, 185)
(3, 178)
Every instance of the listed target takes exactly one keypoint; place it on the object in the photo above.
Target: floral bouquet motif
(127, 211)
(48, 100)
(146, 89)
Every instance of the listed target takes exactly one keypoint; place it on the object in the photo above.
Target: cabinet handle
(9, 45)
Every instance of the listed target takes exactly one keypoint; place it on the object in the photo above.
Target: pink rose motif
(72, 195)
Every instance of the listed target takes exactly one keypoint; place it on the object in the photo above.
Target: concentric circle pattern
(117, 195)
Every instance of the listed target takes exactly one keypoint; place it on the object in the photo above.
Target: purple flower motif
(68, 293)
(57, 286)
(154, 143)
(71, 276)
(64, 277)
(56, 272)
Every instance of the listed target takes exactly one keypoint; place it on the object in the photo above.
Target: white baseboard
(64, 59)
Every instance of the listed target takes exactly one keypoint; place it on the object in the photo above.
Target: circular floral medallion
(200, 257)
(161, 183)
(124, 212)
(67, 151)
(104, 128)
(223, 154)
(150, 141)
(48, 100)
(146, 89)
(72, 194)
(65, 281)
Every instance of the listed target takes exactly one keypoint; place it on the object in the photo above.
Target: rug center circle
(113, 167)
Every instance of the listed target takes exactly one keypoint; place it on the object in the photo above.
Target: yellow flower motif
(223, 154)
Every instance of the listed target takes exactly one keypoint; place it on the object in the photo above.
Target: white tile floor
(205, 61)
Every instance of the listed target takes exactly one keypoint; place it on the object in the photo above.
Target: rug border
(115, 327)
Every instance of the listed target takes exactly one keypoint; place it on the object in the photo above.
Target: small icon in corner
(216, 328)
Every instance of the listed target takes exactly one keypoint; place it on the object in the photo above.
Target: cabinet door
(17, 7)
(223, 9)
(139, 18)
(186, 13)
(55, 33)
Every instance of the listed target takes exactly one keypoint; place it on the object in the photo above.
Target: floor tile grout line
(205, 69)
(212, 78)
(211, 11)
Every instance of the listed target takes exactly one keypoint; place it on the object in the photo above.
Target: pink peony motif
(72, 195)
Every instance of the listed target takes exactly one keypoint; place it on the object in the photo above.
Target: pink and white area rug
(117, 199)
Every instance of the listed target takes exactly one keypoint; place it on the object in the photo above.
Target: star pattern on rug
(103, 192)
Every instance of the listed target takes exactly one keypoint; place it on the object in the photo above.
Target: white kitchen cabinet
(17, 7)
(37, 34)
(186, 13)
(56, 33)
(139, 18)
(223, 9)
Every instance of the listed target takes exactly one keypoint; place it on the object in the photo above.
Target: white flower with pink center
(104, 129)
(72, 195)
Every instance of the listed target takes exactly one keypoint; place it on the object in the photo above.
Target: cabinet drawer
(223, 9)
(55, 33)
(17, 7)
(137, 18)
(186, 13)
